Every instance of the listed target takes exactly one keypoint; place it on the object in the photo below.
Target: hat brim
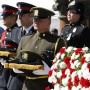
(5, 14)
(37, 17)
(22, 12)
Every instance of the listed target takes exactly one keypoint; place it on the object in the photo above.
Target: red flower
(71, 70)
(47, 88)
(78, 51)
(63, 74)
(84, 82)
(67, 59)
(82, 60)
(50, 73)
(88, 66)
(58, 80)
(76, 81)
(69, 83)
(62, 50)
(55, 70)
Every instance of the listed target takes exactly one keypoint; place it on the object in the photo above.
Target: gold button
(43, 35)
(39, 38)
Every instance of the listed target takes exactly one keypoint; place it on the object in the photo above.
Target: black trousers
(15, 82)
(4, 76)
(36, 84)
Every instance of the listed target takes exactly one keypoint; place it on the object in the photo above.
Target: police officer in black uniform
(11, 33)
(75, 33)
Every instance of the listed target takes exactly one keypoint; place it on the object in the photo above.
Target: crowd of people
(36, 44)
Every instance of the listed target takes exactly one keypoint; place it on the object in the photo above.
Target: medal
(69, 36)
(74, 30)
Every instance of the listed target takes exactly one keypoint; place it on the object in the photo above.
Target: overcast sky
(41, 3)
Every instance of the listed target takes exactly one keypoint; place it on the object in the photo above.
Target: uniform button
(43, 35)
(36, 46)
(39, 38)
(7, 33)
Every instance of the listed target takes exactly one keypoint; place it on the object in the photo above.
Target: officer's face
(25, 19)
(8, 20)
(42, 25)
(72, 16)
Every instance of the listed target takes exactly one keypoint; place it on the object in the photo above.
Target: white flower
(65, 81)
(86, 74)
(85, 88)
(69, 49)
(62, 65)
(74, 88)
(57, 55)
(87, 56)
(59, 74)
(62, 56)
(67, 72)
(85, 49)
(76, 62)
(79, 73)
(57, 87)
(55, 59)
(64, 88)
(84, 67)
(72, 66)
(73, 75)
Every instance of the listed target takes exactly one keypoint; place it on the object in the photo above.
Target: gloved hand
(2, 61)
(48, 56)
(42, 72)
(17, 71)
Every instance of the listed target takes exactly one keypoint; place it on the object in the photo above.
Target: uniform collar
(27, 29)
(75, 24)
(12, 27)
(42, 35)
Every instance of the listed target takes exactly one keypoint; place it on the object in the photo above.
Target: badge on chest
(69, 35)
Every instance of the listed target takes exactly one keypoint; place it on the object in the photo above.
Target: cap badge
(72, 3)
(4, 8)
(36, 13)
(69, 36)
(25, 56)
(19, 8)
(74, 30)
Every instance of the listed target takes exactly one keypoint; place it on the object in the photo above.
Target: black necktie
(24, 32)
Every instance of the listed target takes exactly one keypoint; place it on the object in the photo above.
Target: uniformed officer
(11, 32)
(25, 17)
(42, 43)
(75, 33)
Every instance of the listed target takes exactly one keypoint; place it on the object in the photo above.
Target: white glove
(2, 61)
(17, 71)
(42, 72)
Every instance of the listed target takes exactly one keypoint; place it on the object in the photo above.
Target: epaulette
(83, 25)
